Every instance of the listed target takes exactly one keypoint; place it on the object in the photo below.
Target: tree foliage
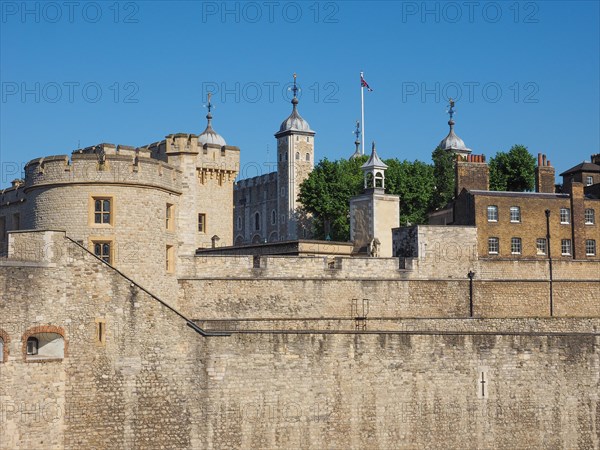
(513, 170)
(327, 191)
(443, 173)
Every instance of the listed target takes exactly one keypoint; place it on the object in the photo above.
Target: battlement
(259, 180)
(209, 156)
(104, 163)
(13, 194)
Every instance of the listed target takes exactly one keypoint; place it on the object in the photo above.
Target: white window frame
(589, 181)
(496, 242)
(590, 244)
(566, 247)
(565, 212)
(494, 210)
(544, 243)
(516, 243)
(516, 209)
(590, 216)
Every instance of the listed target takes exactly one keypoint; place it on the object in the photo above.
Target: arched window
(239, 223)
(378, 180)
(33, 345)
(239, 240)
(286, 156)
(297, 155)
(308, 156)
(257, 221)
(44, 343)
(273, 217)
(280, 157)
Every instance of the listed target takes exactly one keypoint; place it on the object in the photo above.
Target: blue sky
(132, 72)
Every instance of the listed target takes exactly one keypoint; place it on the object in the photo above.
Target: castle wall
(252, 196)
(303, 383)
(435, 284)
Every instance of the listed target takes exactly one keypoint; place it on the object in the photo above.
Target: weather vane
(357, 131)
(208, 104)
(450, 107)
(295, 88)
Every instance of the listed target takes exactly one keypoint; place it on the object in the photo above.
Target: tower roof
(294, 121)
(374, 161)
(210, 136)
(452, 142)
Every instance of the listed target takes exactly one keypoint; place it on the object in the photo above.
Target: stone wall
(278, 384)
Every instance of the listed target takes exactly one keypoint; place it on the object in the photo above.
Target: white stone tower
(295, 161)
(374, 213)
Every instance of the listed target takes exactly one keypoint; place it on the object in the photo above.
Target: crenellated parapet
(103, 164)
(13, 195)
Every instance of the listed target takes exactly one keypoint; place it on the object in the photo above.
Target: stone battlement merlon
(258, 180)
(128, 167)
(12, 195)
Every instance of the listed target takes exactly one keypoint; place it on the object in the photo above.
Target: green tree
(415, 184)
(326, 193)
(512, 171)
(443, 173)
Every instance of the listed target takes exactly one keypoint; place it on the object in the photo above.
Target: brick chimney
(596, 159)
(544, 175)
(472, 172)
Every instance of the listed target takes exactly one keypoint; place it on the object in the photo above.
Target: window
(170, 258)
(590, 247)
(515, 246)
(565, 246)
(16, 221)
(239, 223)
(307, 139)
(492, 213)
(102, 211)
(273, 217)
(493, 245)
(100, 331)
(2, 228)
(283, 192)
(45, 345)
(257, 221)
(170, 219)
(283, 218)
(565, 215)
(33, 344)
(515, 214)
(297, 155)
(590, 216)
(308, 156)
(540, 243)
(201, 223)
(103, 251)
(589, 181)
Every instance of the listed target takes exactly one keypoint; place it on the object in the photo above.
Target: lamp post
(549, 258)
(471, 274)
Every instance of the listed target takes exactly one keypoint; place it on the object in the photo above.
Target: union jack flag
(363, 83)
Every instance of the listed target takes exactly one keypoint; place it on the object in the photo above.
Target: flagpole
(362, 111)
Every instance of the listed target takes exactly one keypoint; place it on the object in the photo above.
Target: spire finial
(450, 111)
(295, 90)
(373, 147)
(209, 106)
